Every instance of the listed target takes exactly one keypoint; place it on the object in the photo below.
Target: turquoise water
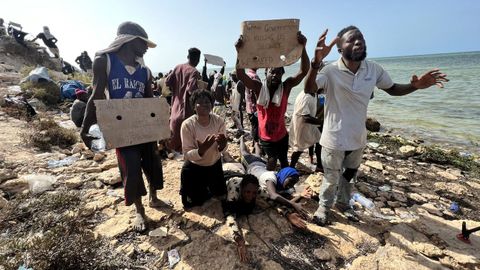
(448, 116)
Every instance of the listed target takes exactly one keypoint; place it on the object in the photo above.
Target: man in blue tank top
(120, 70)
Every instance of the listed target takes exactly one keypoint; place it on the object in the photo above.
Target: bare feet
(139, 223)
(156, 203)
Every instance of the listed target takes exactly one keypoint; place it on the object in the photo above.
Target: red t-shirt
(271, 121)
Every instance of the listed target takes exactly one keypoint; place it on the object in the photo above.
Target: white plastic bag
(39, 183)
(99, 144)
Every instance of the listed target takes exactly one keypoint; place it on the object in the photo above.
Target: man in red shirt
(271, 111)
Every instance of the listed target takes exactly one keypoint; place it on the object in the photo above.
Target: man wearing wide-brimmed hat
(121, 71)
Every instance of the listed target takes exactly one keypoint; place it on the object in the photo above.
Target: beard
(357, 57)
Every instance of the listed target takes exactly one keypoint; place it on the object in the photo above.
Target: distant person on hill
(84, 61)
(77, 111)
(272, 99)
(49, 40)
(182, 82)
(348, 84)
(3, 31)
(116, 69)
(67, 68)
(15, 30)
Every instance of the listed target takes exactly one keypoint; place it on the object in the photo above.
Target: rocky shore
(72, 215)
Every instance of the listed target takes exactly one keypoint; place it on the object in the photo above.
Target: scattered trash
(385, 188)
(99, 143)
(63, 162)
(113, 193)
(173, 257)
(39, 183)
(159, 232)
(23, 267)
(373, 144)
(454, 207)
(37, 75)
(367, 203)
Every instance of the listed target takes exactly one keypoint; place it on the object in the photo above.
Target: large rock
(372, 125)
(450, 187)
(374, 164)
(391, 257)
(402, 235)
(110, 177)
(115, 226)
(407, 150)
(7, 174)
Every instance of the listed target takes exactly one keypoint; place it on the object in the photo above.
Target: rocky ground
(81, 222)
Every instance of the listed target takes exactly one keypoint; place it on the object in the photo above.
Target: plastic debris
(63, 162)
(173, 257)
(39, 183)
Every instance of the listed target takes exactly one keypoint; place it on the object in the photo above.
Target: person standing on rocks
(182, 81)
(49, 40)
(348, 84)
(272, 102)
(123, 62)
(84, 61)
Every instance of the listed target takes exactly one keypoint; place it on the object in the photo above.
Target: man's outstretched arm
(428, 79)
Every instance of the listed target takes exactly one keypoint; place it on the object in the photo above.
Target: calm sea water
(448, 116)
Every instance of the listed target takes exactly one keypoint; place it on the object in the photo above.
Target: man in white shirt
(348, 84)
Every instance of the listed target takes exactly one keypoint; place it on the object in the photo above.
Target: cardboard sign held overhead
(126, 122)
(271, 43)
(214, 60)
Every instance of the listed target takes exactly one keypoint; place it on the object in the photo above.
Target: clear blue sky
(391, 28)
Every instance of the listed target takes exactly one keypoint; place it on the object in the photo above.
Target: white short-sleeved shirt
(347, 96)
(259, 170)
(303, 135)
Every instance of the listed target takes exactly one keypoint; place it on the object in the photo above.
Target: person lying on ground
(277, 187)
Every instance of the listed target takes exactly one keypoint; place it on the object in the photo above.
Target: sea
(448, 117)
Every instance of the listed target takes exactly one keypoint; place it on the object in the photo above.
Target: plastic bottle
(368, 204)
(63, 162)
(98, 144)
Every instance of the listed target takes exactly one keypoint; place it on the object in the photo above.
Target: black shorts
(277, 149)
(131, 161)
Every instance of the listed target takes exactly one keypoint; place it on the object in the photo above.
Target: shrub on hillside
(51, 233)
(46, 133)
(47, 92)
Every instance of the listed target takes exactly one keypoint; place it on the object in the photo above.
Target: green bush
(47, 92)
(46, 132)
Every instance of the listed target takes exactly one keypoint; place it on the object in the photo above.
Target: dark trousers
(200, 183)
(131, 161)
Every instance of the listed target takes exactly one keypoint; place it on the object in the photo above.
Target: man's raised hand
(322, 50)
(432, 77)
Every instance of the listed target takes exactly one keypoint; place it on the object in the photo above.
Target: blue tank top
(123, 85)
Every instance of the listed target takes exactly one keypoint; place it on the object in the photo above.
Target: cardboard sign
(214, 60)
(271, 43)
(126, 122)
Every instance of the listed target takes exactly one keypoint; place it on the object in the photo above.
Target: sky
(390, 28)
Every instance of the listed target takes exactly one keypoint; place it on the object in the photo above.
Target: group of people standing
(200, 134)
